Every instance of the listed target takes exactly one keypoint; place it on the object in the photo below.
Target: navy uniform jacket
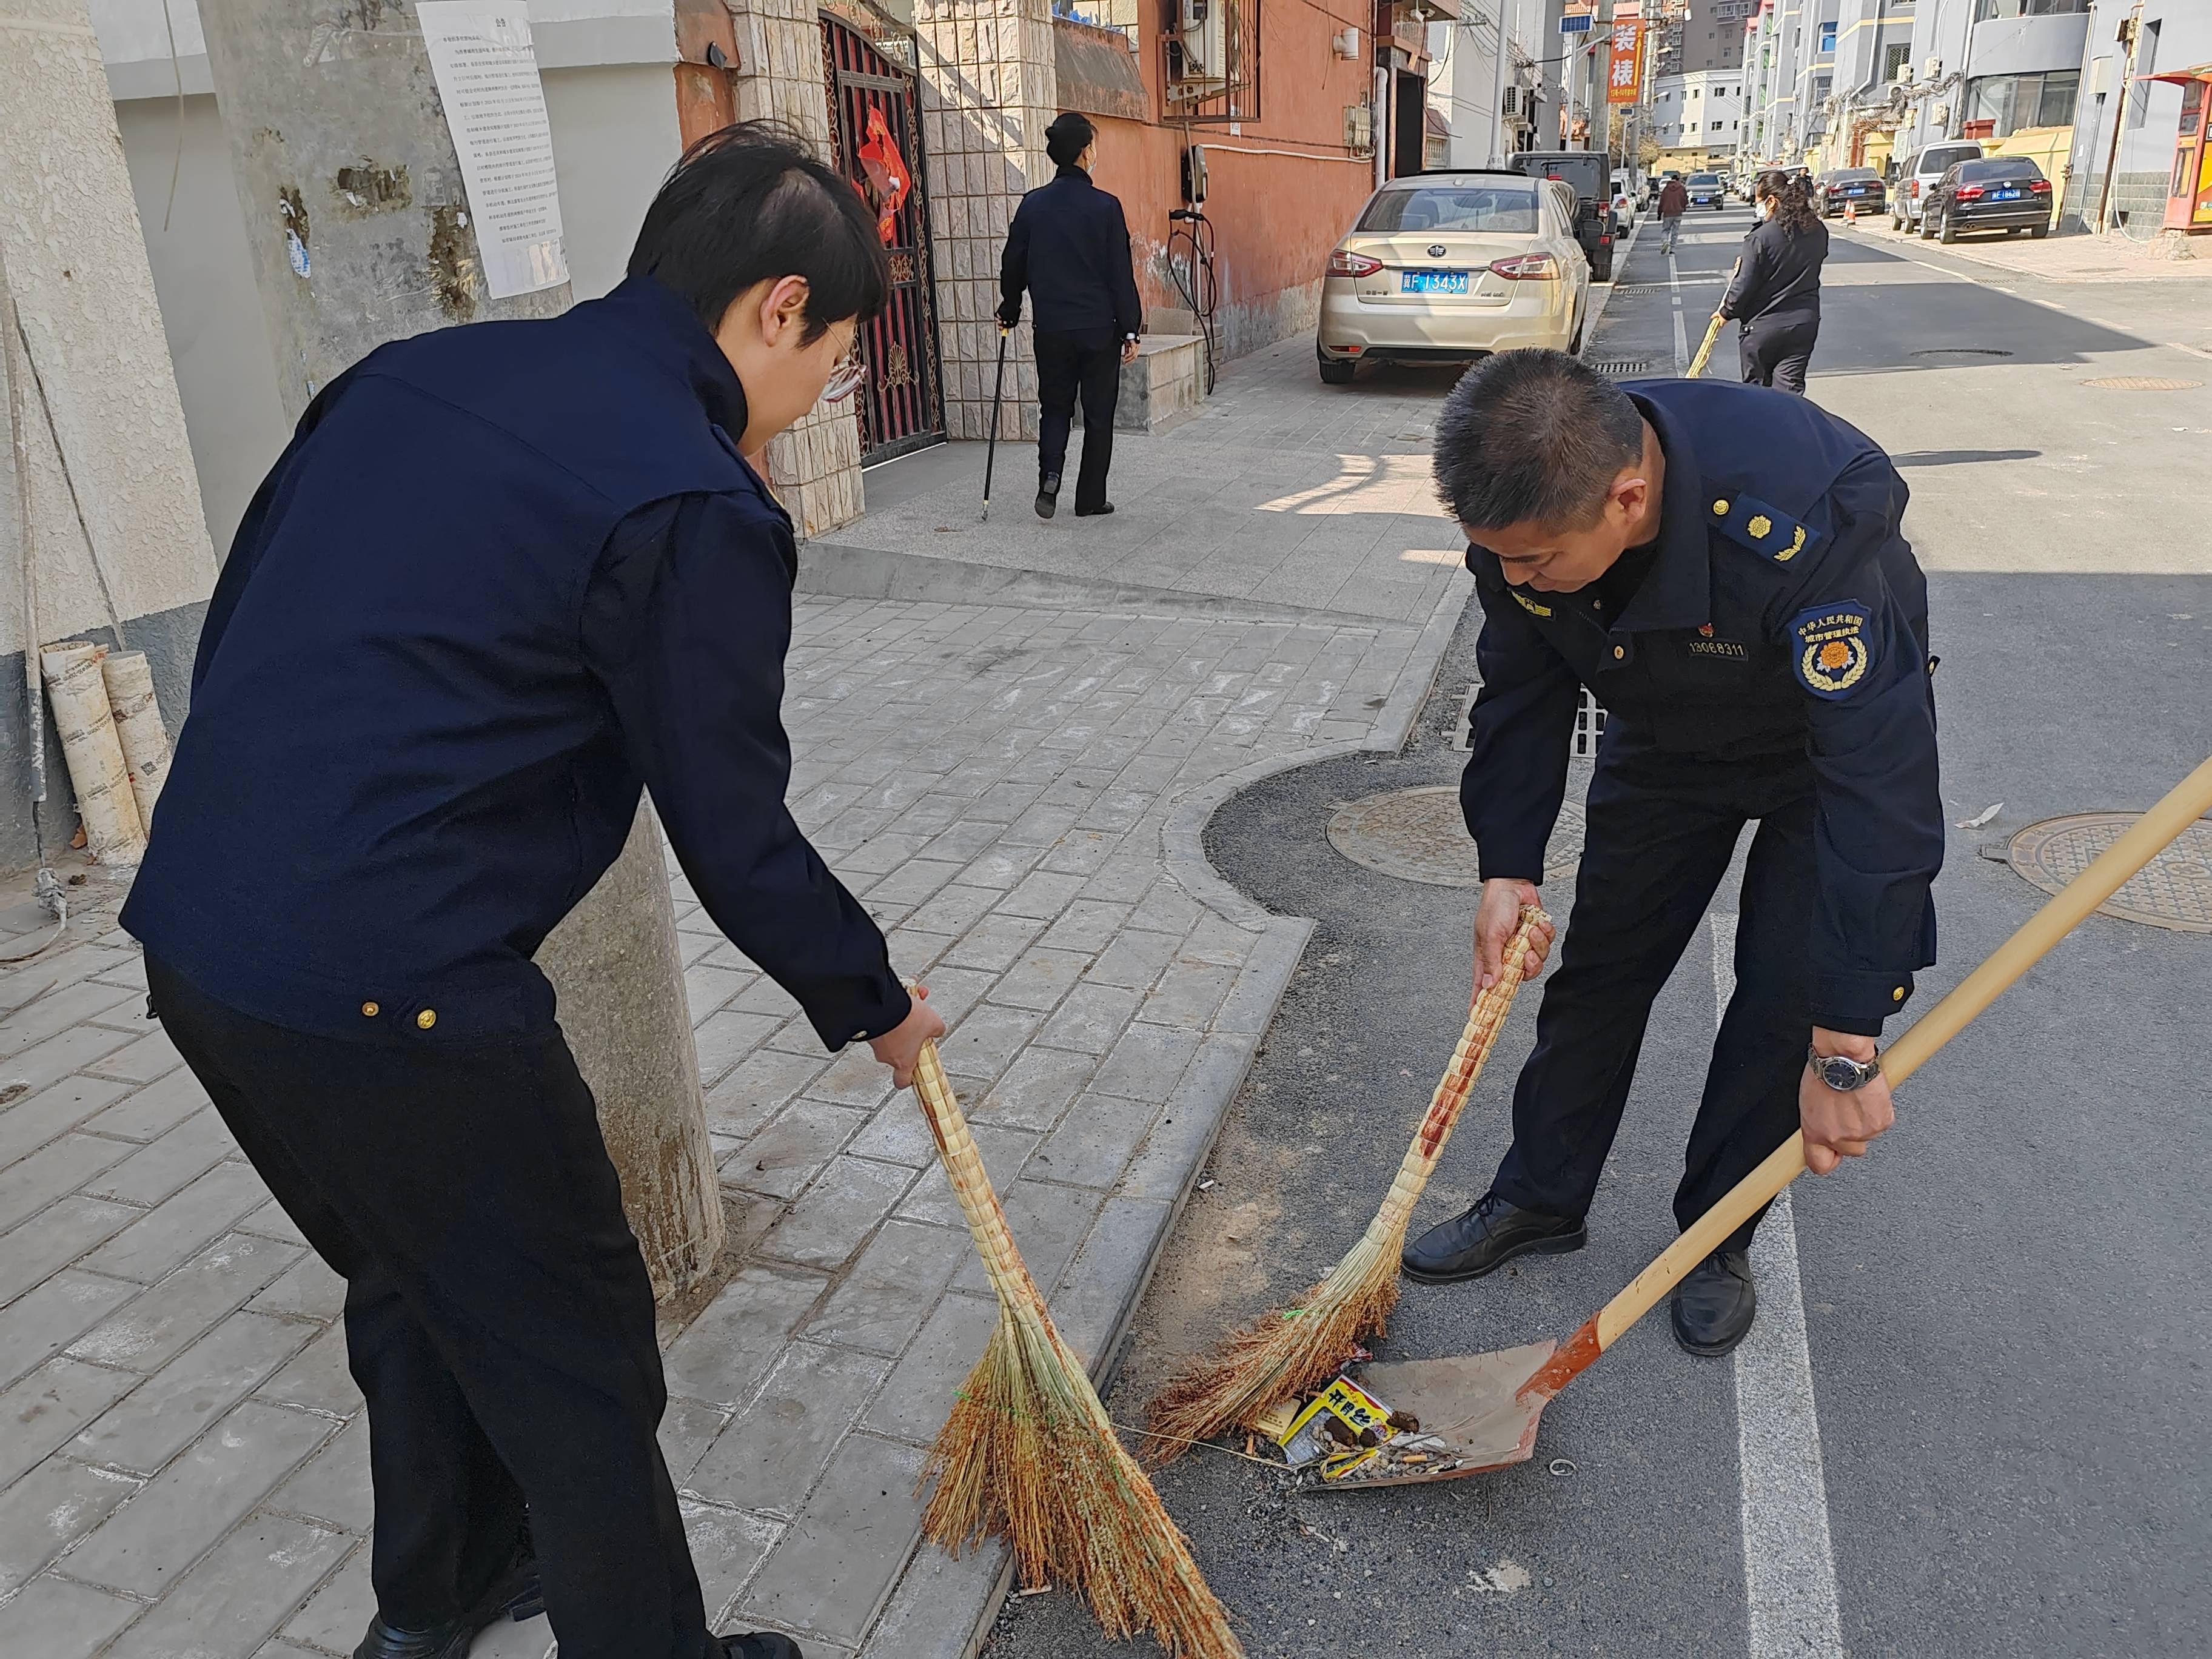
(1779, 273)
(503, 576)
(1069, 246)
(1783, 621)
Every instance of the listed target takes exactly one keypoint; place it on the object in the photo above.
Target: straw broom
(1712, 335)
(1296, 1350)
(1029, 1455)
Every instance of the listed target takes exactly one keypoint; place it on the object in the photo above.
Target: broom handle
(964, 1167)
(1484, 1022)
(2188, 801)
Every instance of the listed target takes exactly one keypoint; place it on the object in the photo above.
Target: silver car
(1443, 267)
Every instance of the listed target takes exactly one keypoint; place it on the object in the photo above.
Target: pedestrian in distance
(1775, 295)
(1673, 202)
(1069, 248)
(422, 716)
(1722, 567)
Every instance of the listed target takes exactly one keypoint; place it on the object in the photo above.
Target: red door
(877, 131)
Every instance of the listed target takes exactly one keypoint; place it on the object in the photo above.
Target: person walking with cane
(1673, 202)
(1776, 292)
(1069, 246)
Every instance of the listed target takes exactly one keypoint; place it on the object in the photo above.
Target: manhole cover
(1619, 366)
(2141, 383)
(1962, 351)
(2173, 890)
(1417, 835)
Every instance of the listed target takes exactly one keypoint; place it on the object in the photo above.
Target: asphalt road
(2006, 1306)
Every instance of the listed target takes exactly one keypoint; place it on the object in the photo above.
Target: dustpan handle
(2188, 801)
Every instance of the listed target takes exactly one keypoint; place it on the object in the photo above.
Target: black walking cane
(997, 397)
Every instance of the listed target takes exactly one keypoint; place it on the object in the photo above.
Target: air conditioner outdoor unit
(1931, 69)
(1904, 74)
(1512, 105)
(1205, 36)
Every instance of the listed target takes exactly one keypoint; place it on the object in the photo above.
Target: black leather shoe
(1485, 1239)
(766, 1645)
(1102, 509)
(513, 1594)
(1047, 494)
(1714, 1304)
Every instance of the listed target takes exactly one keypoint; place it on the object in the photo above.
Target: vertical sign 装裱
(1624, 81)
(485, 63)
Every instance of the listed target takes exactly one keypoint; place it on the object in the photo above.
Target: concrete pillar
(815, 467)
(116, 545)
(989, 88)
(308, 93)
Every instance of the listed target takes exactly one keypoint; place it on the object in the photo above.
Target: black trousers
(498, 1316)
(1778, 348)
(1661, 833)
(1088, 362)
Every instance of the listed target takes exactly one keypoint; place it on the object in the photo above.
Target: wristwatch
(1841, 1073)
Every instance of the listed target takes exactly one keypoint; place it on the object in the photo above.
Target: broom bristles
(1297, 1350)
(1029, 1455)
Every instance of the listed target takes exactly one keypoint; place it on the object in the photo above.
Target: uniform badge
(1763, 529)
(1530, 605)
(1832, 654)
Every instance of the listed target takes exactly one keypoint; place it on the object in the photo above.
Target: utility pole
(360, 232)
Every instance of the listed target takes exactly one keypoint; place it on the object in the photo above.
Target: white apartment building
(1697, 119)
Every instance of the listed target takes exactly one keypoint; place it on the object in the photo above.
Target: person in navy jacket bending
(504, 577)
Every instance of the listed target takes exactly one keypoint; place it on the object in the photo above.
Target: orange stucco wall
(1275, 217)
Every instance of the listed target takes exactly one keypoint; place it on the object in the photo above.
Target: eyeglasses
(848, 377)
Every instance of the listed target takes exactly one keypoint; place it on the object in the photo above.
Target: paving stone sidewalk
(1015, 793)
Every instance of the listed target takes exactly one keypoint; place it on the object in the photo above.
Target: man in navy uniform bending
(1722, 567)
(422, 715)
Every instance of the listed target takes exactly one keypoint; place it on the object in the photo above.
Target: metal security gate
(876, 128)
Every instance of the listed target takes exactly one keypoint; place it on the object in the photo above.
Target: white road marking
(1682, 340)
(1789, 1563)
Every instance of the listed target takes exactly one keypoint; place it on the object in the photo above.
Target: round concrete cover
(2174, 889)
(1417, 835)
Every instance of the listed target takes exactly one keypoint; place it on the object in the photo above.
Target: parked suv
(1705, 191)
(1589, 175)
(2000, 192)
(1916, 176)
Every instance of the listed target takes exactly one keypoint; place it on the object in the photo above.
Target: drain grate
(1417, 835)
(1620, 367)
(1962, 351)
(2174, 889)
(2143, 383)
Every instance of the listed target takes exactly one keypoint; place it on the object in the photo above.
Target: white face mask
(1766, 209)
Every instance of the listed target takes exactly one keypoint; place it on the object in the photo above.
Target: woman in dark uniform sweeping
(1776, 292)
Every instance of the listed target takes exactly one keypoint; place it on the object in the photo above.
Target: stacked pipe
(113, 740)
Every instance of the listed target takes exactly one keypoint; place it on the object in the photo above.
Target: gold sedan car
(1443, 267)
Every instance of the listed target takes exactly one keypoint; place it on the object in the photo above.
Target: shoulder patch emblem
(1832, 652)
(1530, 605)
(1763, 529)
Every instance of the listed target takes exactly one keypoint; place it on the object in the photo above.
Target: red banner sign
(1624, 81)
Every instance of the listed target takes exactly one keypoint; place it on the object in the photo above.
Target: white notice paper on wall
(486, 67)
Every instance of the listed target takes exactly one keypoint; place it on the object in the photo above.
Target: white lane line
(1681, 339)
(1789, 1563)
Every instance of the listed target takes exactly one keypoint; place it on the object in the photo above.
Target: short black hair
(751, 203)
(1067, 138)
(1532, 437)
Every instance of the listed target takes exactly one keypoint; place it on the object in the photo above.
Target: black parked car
(1998, 192)
(1856, 187)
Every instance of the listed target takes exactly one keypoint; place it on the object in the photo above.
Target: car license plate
(1856, 189)
(2004, 196)
(1432, 282)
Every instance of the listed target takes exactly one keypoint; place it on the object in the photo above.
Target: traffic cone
(1850, 214)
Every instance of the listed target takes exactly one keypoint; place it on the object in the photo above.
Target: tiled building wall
(989, 91)
(816, 466)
